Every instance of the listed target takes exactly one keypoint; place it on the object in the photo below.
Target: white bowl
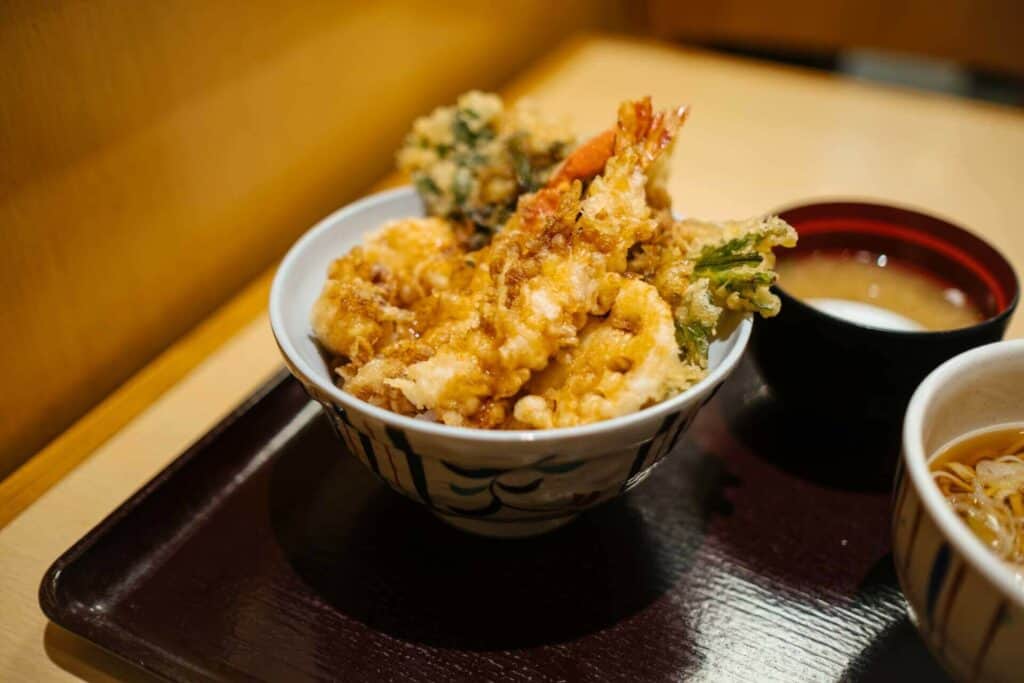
(967, 604)
(496, 483)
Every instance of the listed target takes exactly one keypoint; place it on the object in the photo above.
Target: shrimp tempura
(559, 259)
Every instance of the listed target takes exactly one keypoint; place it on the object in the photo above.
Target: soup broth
(982, 478)
(870, 289)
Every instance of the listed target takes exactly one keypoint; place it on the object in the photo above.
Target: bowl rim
(915, 461)
(298, 365)
(924, 335)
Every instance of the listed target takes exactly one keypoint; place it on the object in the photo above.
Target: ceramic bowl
(837, 368)
(496, 483)
(967, 604)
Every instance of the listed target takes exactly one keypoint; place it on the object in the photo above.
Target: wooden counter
(760, 137)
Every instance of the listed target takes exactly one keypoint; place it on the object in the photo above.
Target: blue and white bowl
(967, 604)
(496, 483)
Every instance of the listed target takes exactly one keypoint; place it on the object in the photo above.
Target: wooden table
(760, 137)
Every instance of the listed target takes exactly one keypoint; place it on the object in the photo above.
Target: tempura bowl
(966, 603)
(495, 483)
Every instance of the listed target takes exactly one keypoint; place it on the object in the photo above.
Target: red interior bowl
(938, 249)
(850, 371)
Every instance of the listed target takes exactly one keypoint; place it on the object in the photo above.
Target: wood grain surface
(159, 156)
(759, 137)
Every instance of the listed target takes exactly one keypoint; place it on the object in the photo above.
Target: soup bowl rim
(916, 463)
(924, 335)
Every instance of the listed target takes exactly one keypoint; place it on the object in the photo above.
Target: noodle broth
(981, 476)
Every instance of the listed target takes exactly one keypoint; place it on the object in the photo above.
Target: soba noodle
(982, 478)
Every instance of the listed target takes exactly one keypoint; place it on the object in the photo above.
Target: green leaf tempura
(705, 270)
(739, 269)
(471, 162)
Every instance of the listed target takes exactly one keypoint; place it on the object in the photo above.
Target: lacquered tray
(758, 551)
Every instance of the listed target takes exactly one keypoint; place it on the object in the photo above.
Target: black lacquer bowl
(852, 374)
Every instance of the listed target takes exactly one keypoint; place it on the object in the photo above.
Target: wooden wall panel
(980, 33)
(156, 156)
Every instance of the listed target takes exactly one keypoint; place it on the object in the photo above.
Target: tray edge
(49, 598)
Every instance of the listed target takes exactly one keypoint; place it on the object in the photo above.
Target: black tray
(757, 551)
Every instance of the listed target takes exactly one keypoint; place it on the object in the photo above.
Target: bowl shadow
(808, 509)
(376, 557)
(844, 452)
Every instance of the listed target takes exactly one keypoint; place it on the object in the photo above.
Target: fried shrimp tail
(587, 160)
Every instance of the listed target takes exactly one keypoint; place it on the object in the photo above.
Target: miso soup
(871, 289)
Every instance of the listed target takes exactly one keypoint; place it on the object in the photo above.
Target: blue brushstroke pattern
(940, 569)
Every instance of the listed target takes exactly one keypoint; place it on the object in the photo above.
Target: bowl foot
(503, 529)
